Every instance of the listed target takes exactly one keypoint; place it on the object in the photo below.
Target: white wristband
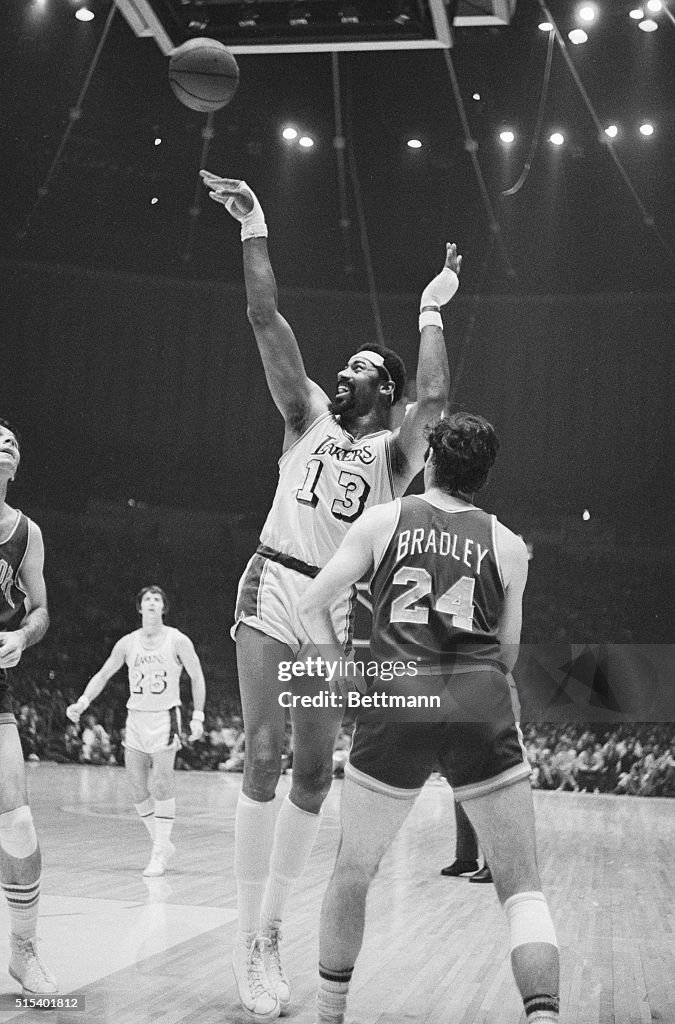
(253, 224)
(198, 716)
(431, 318)
(441, 289)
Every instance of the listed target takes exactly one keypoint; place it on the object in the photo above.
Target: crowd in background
(94, 575)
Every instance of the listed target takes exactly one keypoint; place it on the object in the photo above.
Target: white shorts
(268, 598)
(153, 731)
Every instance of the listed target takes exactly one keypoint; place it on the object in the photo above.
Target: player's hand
(351, 681)
(233, 194)
(11, 648)
(196, 731)
(74, 711)
(453, 261)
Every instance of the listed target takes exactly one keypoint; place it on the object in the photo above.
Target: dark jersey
(437, 591)
(12, 553)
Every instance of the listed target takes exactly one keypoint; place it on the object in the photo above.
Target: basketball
(203, 74)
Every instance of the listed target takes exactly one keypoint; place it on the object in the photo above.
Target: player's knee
(311, 785)
(354, 873)
(162, 789)
(17, 833)
(529, 919)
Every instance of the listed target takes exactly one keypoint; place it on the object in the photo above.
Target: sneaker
(158, 860)
(275, 972)
(26, 967)
(460, 867)
(256, 994)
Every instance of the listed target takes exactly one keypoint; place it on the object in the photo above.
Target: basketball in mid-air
(203, 74)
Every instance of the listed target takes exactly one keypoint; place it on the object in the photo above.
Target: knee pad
(529, 919)
(17, 834)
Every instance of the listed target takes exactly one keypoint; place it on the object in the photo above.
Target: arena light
(306, 142)
(289, 134)
(84, 14)
(414, 144)
(585, 515)
(507, 136)
(556, 139)
(476, 96)
(545, 26)
(654, 6)
(577, 36)
(588, 13)
(637, 14)
(612, 131)
(158, 142)
(647, 129)
(648, 25)
(154, 201)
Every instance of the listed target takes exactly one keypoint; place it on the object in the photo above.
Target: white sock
(23, 900)
(165, 812)
(543, 1017)
(146, 810)
(331, 996)
(253, 834)
(294, 838)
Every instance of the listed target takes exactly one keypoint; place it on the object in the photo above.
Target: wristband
(198, 716)
(252, 224)
(441, 289)
(83, 702)
(431, 318)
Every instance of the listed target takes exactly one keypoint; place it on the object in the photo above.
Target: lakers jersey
(437, 589)
(154, 673)
(12, 553)
(326, 480)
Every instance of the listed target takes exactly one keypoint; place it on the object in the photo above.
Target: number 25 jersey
(326, 480)
(154, 673)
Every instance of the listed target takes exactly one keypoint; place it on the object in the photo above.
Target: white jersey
(326, 480)
(154, 672)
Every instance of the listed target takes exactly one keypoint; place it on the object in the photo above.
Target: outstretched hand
(452, 260)
(233, 194)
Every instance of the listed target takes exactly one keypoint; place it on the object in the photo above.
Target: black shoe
(460, 867)
(484, 875)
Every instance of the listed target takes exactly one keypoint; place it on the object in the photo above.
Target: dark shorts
(395, 753)
(6, 708)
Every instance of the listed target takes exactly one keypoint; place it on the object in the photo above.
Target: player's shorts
(394, 753)
(150, 732)
(269, 594)
(6, 707)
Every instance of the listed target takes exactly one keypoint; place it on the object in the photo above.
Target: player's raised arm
(36, 620)
(99, 680)
(433, 372)
(298, 398)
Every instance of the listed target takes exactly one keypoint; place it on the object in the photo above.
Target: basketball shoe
(159, 859)
(256, 994)
(26, 967)
(275, 972)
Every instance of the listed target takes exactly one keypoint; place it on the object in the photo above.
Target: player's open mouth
(344, 389)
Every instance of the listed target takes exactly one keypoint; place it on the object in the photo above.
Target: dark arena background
(150, 446)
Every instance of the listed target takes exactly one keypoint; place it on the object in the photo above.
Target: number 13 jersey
(437, 587)
(326, 480)
(154, 672)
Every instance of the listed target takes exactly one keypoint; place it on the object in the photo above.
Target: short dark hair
(152, 589)
(395, 368)
(463, 449)
(10, 426)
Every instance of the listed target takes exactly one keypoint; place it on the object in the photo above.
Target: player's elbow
(261, 311)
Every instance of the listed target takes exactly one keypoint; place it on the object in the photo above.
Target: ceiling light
(476, 96)
(612, 131)
(588, 13)
(414, 144)
(349, 15)
(647, 128)
(654, 6)
(507, 136)
(557, 138)
(545, 26)
(577, 36)
(648, 25)
(158, 142)
(299, 15)
(306, 142)
(289, 133)
(84, 14)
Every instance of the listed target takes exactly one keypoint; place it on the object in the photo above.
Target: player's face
(152, 603)
(9, 452)
(357, 387)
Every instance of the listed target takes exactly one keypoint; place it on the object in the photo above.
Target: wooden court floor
(435, 950)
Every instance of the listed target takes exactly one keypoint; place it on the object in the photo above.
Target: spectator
(95, 742)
